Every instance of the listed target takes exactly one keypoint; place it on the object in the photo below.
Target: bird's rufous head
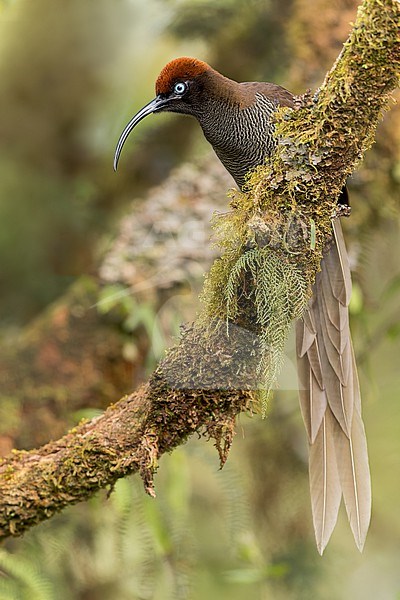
(179, 70)
(177, 90)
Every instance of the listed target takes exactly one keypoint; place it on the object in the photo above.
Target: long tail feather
(325, 486)
(330, 401)
(352, 455)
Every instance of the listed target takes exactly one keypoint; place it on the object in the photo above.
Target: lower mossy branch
(199, 387)
(277, 229)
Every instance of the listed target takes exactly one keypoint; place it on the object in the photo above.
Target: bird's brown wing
(278, 94)
(330, 401)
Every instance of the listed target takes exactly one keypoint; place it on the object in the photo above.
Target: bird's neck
(229, 121)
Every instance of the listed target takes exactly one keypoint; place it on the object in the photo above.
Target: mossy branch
(285, 216)
(205, 381)
(200, 387)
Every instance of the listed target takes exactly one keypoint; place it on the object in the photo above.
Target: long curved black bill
(153, 106)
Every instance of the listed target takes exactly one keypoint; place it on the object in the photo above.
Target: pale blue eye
(180, 88)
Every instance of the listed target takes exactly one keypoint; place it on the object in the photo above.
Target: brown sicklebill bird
(237, 120)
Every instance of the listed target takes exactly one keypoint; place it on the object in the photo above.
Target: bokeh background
(85, 312)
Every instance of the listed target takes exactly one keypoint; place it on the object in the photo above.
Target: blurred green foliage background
(71, 75)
